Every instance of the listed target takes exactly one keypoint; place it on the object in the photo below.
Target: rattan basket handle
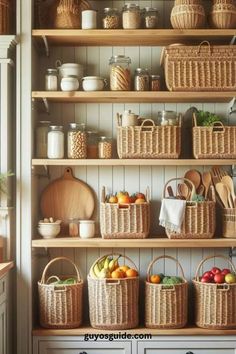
(193, 191)
(210, 257)
(218, 125)
(56, 260)
(163, 257)
(114, 255)
(201, 44)
(147, 127)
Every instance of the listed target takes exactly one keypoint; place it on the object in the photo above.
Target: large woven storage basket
(113, 303)
(149, 141)
(229, 223)
(166, 306)
(199, 220)
(200, 68)
(124, 221)
(60, 306)
(215, 304)
(4, 17)
(215, 142)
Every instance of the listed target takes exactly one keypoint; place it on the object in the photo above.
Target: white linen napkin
(172, 214)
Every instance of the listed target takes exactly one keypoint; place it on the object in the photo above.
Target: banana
(113, 264)
(104, 273)
(101, 263)
(106, 263)
(92, 274)
(96, 270)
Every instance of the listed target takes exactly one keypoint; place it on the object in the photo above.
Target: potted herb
(207, 119)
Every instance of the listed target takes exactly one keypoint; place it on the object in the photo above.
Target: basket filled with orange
(113, 288)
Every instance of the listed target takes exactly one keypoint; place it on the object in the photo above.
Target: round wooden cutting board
(67, 197)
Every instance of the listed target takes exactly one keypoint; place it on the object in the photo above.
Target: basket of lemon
(113, 293)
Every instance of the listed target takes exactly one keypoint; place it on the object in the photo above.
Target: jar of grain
(120, 75)
(92, 145)
(150, 17)
(55, 148)
(42, 139)
(105, 148)
(131, 16)
(76, 141)
(155, 83)
(111, 18)
(141, 80)
(73, 227)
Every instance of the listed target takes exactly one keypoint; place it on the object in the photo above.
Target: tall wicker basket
(60, 306)
(166, 306)
(215, 304)
(229, 222)
(4, 17)
(113, 303)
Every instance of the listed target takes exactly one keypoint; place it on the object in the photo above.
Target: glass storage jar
(42, 139)
(155, 83)
(105, 148)
(141, 80)
(73, 227)
(55, 142)
(76, 141)
(120, 75)
(51, 83)
(111, 18)
(131, 16)
(150, 17)
(167, 118)
(92, 144)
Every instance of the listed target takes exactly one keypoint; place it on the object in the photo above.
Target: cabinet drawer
(3, 287)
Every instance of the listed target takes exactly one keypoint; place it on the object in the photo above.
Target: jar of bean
(150, 17)
(111, 18)
(155, 83)
(77, 141)
(131, 16)
(141, 80)
(92, 144)
(120, 75)
(105, 148)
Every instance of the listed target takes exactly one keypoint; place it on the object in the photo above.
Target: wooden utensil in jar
(227, 180)
(222, 191)
(194, 176)
(183, 190)
(206, 181)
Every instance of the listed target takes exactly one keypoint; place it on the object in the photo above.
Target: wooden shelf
(97, 242)
(121, 37)
(133, 97)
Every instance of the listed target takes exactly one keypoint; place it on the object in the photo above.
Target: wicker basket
(215, 142)
(60, 306)
(223, 15)
(113, 303)
(149, 142)
(229, 222)
(4, 17)
(215, 304)
(199, 220)
(200, 68)
(188, 16)
(166, 306)
(126, 220)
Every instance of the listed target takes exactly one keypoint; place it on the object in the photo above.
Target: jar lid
(107, 9)
(56, 127)
(93, 78)
(105, 138)
(141, 71)
(155, 76)
(52, 71)
(119, 58)
(131, 6)
(78, 126)
(153, 9)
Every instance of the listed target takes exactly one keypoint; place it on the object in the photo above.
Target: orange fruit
(123, 199)
(124, 268)
(113, 199)
(140, 201)
(131, 273)
(117, 274)
(155, 278)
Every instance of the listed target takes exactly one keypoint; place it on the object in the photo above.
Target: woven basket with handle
(113, 303)
(60, 306)
(223, 14)
(166, 306)
(215, 304)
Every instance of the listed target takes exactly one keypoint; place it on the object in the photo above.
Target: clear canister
(131, 16)
(120, 75)
(111, 18)
(76, 141)
(42, 139)
(167, 118)
(141, 80)
(92, 144)
(105, 148)
(55, 148)
(150, 17)
(51, 83)
(73, 227)
(155, 83)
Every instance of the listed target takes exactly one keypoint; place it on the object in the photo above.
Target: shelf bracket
(46, 105)
(45, 42)
(41, 175)
(233, 40)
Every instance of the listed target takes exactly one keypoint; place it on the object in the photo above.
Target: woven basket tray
(60, 306)
(113, 303)
(200, 68)
(215, 304)
(149, 141)
(166, 306)
(229, 223)
(216, 142)
(199, 221)
(126, 220)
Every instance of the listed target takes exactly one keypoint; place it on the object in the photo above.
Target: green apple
(230, 278)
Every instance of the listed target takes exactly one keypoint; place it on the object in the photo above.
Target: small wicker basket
(60, 306)
(166, 306)
(188, 16)
(215, 304)
(113, 303)
(229, 223)
(4, 17)
(223, 15)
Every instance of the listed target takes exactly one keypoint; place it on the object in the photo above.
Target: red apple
(225, 271)
(209, 275)
(215, 270)
(219, 278)
(205, 280)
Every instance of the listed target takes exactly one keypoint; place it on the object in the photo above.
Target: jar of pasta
(111, 18)
(120, 75)
(105, 148)
(131, 16)
(141, 80)
(76, 141)
(92, 144)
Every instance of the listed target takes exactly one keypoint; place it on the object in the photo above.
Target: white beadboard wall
(102, 117)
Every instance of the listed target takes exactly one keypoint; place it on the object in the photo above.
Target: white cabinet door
(3, 328)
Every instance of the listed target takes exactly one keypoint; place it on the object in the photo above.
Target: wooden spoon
(194, 176)
(227, 180)
(201, 189)
(183, 190)
(206, 181)
(222, 190)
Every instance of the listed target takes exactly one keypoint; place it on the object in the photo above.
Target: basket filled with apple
(123, 215)
(113, 288)
(215, 296)
(166, 298)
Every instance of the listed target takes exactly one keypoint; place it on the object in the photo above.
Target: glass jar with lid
(105, 148)
(76, 141)
(141, 80)
(111, 18)
(150, 16)
(120, 74)
(155, 83)
(92, 144)
(42, 139)
(131, 16)
(167, 118)
(55, 148)
(51, 82)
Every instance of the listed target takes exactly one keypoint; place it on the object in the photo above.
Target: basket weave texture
(113, 303)
(215, 304)
(60, 306)
(149, 141)
(188, 16)
(229, 223)
(166, 306)
(223, 15)
(199, 220)
(200, 68)
(217, 141)
(4, 17)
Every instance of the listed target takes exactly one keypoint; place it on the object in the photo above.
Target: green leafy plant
(3, 180)
(207, 119)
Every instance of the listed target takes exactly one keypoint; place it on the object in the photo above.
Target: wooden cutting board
(67, 197)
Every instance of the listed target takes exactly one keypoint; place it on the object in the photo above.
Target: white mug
(89, 19)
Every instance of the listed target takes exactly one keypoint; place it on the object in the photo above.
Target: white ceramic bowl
(93, 83)
(70, 69)
(49, 230)
(69, 84)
